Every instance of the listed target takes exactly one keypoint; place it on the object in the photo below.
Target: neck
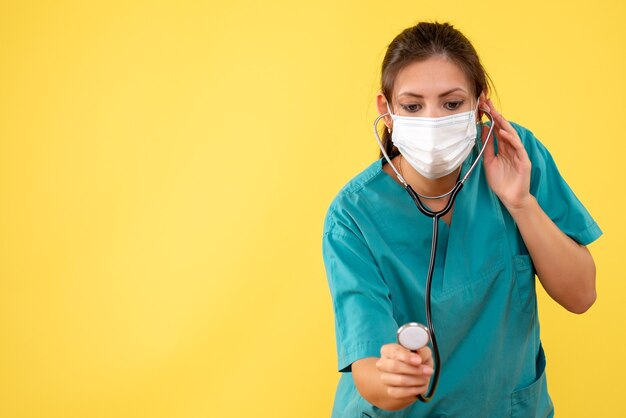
(426, 186)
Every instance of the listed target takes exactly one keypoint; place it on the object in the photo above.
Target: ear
(381, 104)
(482, 104)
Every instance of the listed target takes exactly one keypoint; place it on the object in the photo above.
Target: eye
(456, 105)
(410, 108)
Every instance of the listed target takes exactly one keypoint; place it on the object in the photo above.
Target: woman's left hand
(508, 172)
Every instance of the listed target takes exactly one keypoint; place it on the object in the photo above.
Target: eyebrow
(409, 93)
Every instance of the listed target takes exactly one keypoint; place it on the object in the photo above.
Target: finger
(511, 138)
(403, 380)
(398, 392)
(511, 147)
(397, 352)
(515, 152)
(499, 118)
(426, 354)
(504, 128)
(395, 366)
(498, 121)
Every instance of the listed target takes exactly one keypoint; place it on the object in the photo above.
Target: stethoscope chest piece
(413, 336)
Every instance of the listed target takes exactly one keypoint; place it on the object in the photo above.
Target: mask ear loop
(382, 148)
(472, 116)
(389, 110)
(482, 150)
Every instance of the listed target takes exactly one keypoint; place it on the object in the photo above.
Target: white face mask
(435, 147)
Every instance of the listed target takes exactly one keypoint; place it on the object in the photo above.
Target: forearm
(565, 268)
(367, 379)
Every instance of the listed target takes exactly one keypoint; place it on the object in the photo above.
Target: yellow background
(165, 168)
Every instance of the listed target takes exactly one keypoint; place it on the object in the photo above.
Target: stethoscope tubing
(435, 215)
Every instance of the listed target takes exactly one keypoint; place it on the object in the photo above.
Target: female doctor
(515, 217)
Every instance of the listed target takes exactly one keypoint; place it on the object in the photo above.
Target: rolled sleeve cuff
(359, 351)
(588, 235)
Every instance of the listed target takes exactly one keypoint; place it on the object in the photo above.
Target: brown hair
(423, 41)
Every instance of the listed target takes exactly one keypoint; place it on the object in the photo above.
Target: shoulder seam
(350, 190)
(358, 187)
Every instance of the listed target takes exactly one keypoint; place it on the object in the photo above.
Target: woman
(515, 217)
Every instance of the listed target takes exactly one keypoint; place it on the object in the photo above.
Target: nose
(432, 111)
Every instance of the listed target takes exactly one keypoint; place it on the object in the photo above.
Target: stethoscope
(413, 335)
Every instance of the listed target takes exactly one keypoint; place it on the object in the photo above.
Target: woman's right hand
(404, 373)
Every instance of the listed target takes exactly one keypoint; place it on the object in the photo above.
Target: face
(432, 88)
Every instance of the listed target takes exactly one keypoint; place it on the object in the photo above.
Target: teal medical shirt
(375, 247)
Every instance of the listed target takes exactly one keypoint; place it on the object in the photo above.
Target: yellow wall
(165, 168)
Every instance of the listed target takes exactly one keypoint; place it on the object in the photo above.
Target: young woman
(514, 217)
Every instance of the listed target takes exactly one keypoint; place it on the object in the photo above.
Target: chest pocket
(524, 273)
(477, 241)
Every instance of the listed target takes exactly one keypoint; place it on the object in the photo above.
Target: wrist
(522, 207)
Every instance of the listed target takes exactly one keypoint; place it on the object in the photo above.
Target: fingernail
(416, 359)
(427, 370)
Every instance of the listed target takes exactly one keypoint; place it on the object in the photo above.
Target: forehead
(430, 77)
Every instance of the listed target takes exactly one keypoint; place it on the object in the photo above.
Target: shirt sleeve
(554, 195)
(360, 297)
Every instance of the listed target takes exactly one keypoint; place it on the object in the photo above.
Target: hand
(404, 373)
(508, 172)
